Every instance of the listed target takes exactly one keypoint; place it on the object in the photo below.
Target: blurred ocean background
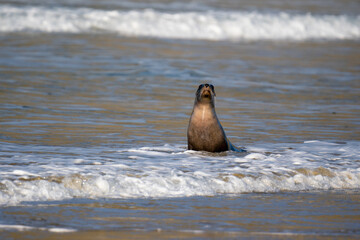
(95, 98)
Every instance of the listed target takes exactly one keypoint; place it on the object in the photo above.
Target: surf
(191, 25)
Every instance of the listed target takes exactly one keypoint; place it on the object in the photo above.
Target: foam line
(209, 25)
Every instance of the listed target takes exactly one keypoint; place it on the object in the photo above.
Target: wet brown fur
(205, 132)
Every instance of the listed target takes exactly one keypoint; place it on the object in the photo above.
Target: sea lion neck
(204, 112)
(204, 104)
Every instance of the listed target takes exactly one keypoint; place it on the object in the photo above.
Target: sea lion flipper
(235, 149)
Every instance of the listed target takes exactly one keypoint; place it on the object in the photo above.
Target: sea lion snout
(205, 91)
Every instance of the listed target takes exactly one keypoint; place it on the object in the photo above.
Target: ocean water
(95, 98)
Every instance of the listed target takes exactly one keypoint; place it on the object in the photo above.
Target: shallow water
(94, 114)
(249, 216)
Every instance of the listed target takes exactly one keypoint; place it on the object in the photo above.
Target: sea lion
(205, 132)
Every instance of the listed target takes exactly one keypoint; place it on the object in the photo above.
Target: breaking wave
(175, 184)
(210, 25)
(168, 171)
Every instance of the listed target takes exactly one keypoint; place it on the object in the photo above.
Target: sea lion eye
(212, 89)
(200, 87)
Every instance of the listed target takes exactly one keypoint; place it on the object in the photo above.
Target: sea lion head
(205, 93)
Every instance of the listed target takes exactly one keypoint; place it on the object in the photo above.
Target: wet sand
(315, 215)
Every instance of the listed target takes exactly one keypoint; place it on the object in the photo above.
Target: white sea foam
(170, 171)
(29, 228)
(209, 25)
(176, 184)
